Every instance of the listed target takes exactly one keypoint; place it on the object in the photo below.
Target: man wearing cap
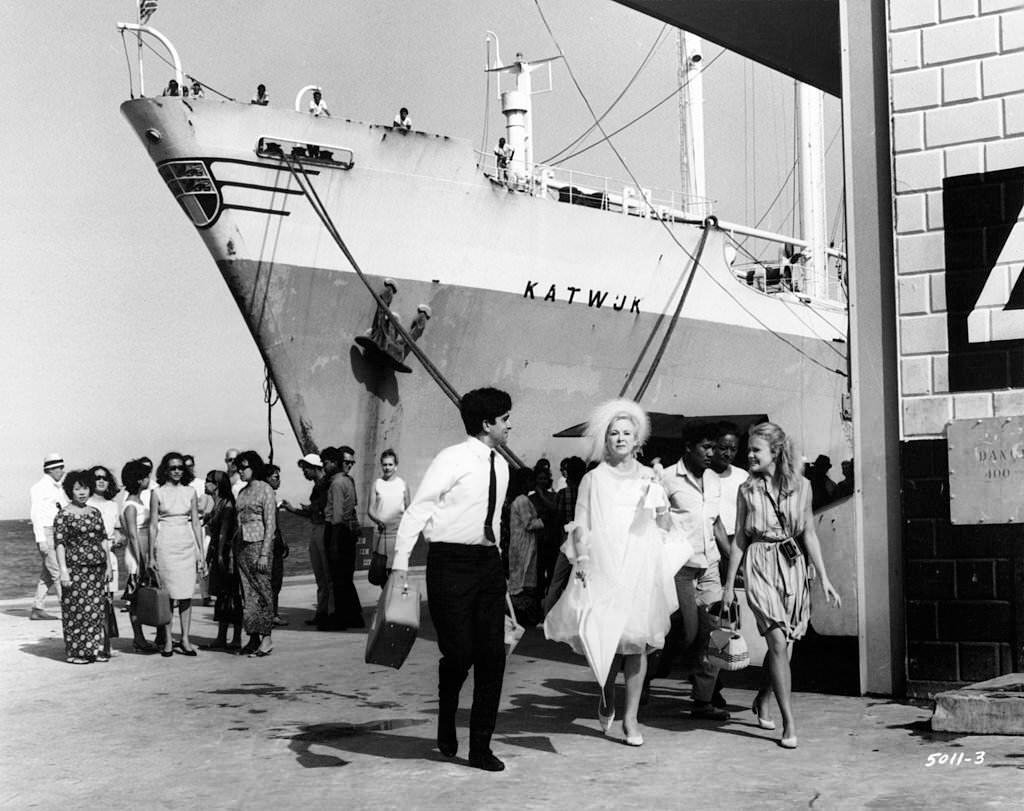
(47, 499)
(313, 470)
(379, 329)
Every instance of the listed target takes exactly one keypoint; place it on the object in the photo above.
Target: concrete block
(908, 131)
(926, 416)
(910, 213)
(913, 295)
(935, 216)
(993, 707)
(923, 334)
(961, 82)
(964, 123)
(1009, 403)
(920, 252)
(990, 6)
(1003, 74)
(1005, 154)
(973, 406)
(957, 9)
(912, 14)
(968, 39)
(937, 302)
(968, 159)
(940, 374)
(1012, 31)
(920, 171)
(915, 376)
(1013, 115)
(905, 50)
(916, 90)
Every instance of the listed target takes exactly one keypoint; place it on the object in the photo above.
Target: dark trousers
(277, 571)
(466, 597)
(341, 557)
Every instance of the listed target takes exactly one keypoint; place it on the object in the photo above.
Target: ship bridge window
(193, 187)
(327, 154)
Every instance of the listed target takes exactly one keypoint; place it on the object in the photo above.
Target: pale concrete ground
(313, 727)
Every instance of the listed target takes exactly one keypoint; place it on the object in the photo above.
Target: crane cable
(310, 192)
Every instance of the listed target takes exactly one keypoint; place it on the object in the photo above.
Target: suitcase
(152, 606)
(395, 624)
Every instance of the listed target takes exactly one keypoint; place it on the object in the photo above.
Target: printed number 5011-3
(957, 758)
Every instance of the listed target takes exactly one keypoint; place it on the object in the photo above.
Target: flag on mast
(147, 8)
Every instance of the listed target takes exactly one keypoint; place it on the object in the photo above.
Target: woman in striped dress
(774, 537)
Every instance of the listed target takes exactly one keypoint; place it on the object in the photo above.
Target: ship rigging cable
(170, 64)
(310, 192)
(636, 74)
(665, 225)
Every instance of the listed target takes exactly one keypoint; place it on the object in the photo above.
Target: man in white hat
(47, 499)
(313, 469)
(419, 324)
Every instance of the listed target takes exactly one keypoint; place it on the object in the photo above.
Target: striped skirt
(778, 592)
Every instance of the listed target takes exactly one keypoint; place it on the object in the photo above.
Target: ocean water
(21, 563)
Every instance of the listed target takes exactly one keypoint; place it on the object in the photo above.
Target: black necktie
(492, 498)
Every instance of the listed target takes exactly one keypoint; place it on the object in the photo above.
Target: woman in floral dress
(83, 555)
(256, 514)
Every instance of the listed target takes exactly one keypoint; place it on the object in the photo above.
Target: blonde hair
(788, 466)
(601, 420)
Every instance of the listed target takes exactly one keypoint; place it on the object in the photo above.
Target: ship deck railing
(596, 191)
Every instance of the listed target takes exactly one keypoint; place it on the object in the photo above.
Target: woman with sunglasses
(256, 513)
(105, 488)
(177, 542)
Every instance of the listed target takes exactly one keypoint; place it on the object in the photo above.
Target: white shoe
(605, 721)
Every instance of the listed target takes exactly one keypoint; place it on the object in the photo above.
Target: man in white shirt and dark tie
(46, 498)
(458, 509)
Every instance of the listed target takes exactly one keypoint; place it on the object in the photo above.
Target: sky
(118, 337)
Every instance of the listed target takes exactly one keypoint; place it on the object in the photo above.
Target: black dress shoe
(718, 700)
(487, 761)
(448, 748)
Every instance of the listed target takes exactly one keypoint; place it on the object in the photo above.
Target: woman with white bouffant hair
(622, 559)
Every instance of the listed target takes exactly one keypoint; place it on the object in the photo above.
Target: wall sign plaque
(986, 470)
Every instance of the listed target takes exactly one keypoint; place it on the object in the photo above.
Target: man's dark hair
(698, 432)
(331, 454)
(726, 428)
(82, 477)
(346, 449)
(483, 405)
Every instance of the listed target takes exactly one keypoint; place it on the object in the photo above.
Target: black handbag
(377, 574)
(112, 632)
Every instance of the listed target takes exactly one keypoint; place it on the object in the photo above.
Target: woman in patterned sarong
(83, 552)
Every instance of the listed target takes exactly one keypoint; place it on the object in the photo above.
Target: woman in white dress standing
(617, 544)
(177, 541)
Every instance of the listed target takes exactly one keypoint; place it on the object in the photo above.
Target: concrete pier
(313, 727)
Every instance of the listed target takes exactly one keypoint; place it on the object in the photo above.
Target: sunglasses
(100, 477)
(175, 467)
(348, 461)
(244, 466)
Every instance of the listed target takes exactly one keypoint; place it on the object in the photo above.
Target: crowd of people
(660, 552)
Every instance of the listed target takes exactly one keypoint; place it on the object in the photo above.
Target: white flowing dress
(629, 576)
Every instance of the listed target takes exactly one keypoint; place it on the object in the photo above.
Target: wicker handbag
(726, 648)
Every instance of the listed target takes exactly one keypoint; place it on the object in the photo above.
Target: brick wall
(963, 583)
(957, 98)
(957, 114)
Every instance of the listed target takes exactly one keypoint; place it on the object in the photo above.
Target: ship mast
(517, 107)
(691, 123)
(812, 192)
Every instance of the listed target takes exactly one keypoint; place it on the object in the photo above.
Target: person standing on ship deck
(46, 500)
(318, 107)
(456, 507)
(261, 98)
(312, 468)
(402, 121)
(342, 538)
(503, 157)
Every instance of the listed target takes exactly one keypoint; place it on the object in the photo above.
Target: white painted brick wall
(957, 104)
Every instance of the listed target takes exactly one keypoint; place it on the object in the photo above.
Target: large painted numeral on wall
(984, 243)
(998, 313)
